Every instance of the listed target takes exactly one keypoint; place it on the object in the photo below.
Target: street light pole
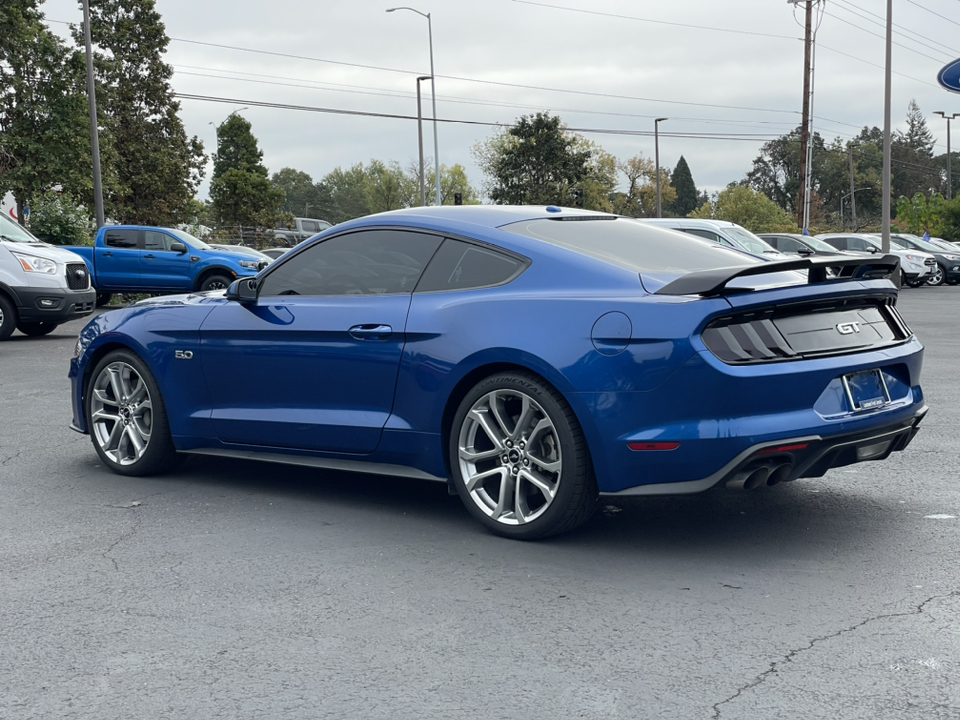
(433, 91)
(423, 192)
(948, 118)
(656, 152)
(887, 92)
(94, 130)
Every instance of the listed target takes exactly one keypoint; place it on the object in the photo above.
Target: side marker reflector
(782, 449)
(640, 446)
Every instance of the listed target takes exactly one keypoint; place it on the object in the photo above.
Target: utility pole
(805, 121)
(887, 70)
(94, 130)
(948, 118)
(853, 192)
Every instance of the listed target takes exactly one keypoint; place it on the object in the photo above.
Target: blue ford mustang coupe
(534, 358)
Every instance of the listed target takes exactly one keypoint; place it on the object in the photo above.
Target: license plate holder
(866, 390)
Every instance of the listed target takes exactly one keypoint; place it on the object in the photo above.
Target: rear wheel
(8, 318)
(35, 329)
(938, 276)
(126, 417)
(519, 460)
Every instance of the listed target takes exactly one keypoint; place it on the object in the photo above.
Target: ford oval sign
(949, 76)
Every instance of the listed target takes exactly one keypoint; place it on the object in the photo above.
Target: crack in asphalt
(788, 658)
(123, 536)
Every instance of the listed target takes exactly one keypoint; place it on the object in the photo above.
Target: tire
(126, 417)
(519, 459)
(939, 275)
(8, 317)
(36, 329)
(104, 298)
(215, 282)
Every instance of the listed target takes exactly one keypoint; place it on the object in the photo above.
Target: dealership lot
(239, 589)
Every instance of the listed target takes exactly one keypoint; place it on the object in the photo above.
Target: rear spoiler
(714, 282)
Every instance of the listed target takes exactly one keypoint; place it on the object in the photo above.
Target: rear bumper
(798, 457)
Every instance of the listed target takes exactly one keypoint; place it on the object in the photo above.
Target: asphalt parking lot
(233, 589)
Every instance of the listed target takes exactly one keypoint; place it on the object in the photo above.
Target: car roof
(489, 216)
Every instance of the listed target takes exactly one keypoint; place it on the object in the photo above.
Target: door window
(121, 238)
(153, 240)
(460, 266)
(369, 262)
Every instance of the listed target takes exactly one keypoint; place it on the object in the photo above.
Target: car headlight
(32, 263)
(249, 264)
(915, 258)
(952, 258)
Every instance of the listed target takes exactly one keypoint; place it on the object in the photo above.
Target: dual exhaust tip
(768, 474)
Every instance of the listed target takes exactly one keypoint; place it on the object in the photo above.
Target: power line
(882, 37)
(881, 21)
(658, 22)
(922, 7)
(750, 137)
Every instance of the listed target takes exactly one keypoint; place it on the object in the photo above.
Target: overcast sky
(729, 71)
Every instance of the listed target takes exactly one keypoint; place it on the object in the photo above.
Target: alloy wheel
(121, 413)
(937, 277)
(509, 456)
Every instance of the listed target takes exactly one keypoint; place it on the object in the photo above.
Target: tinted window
(634, 245)
(121, 238)
(372, 262)
(461, 266)
(153, 240)
(787, 245)
(708, 234)
(310, 226)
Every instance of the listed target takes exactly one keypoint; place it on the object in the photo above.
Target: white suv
(915, 265)
(723, 232)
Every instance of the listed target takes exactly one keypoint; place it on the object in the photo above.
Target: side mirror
(243, 291)
(872, 249)
(178, 247)
(805, 251)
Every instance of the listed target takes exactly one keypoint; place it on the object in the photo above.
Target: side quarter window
(367, 262)
(461, 265)
(126, 239)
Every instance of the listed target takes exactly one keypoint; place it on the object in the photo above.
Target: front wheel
(8, 318)
(126, 417)
(938, 276)
(104, 298)
(35, 329)
(519, 459)
(215, 282)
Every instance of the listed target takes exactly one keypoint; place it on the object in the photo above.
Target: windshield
(14, 232)
(189, 240)
(634, 245)
(750, 241)
(818, 244)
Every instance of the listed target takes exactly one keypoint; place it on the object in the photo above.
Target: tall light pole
(94, 130)
(423, 192)
(433, 91)
(887, 84)
(656, 153)
(948, 118)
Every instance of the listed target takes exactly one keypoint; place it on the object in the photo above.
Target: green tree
(44, 135)
(452, 180)
(301, 196)
(921, 214)
(346, 193)
(640, 198)
(58, 218)
(535, 162)
(686, 200)
(240, 190)
(157, 167)
(911, 157)
(749, 208)
(388, 187)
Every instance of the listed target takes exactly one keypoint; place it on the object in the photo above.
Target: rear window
(634, 245)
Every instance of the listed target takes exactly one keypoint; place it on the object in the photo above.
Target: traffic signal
(578, 197)
(458, 198)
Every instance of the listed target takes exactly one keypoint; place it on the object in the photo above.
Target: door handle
(149, 256)
(370, 332)
(107, 254)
